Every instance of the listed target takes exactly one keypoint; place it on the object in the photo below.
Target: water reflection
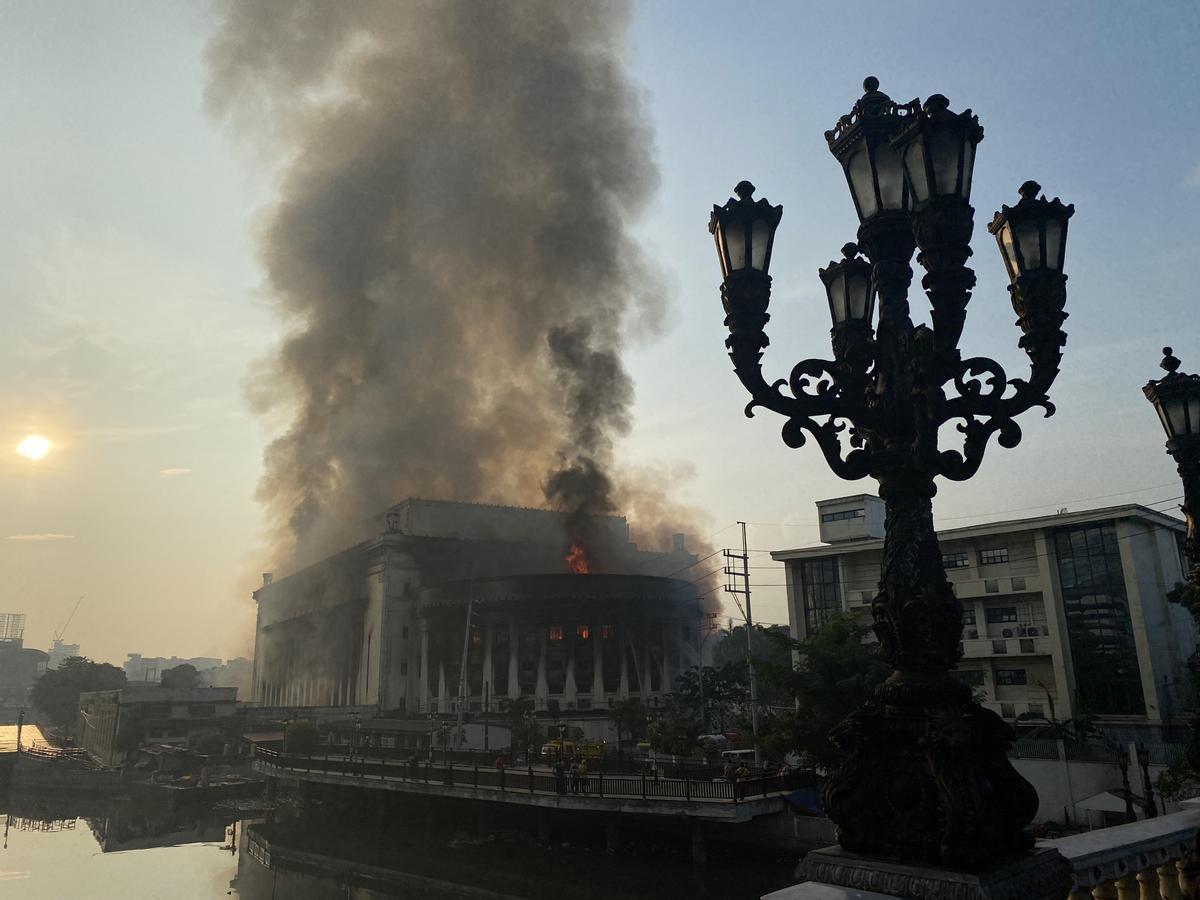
(53, 848)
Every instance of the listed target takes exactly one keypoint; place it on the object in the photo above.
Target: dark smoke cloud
(448, 250)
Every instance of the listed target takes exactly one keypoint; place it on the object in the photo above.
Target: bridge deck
(709, 800)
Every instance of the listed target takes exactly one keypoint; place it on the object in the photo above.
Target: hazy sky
(133, 303)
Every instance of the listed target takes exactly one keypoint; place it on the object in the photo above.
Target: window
(969, 615)
(1010, 677)
(992, 557)
(1026, 645)
(404, 668)
(1036, 709)
(582, 632)
(404, 632)
(202, 710)
(843, 515)
(867, 596)
(607, 632)
(1018, 584)
(969, 677)
(991, 585)
(820, 593)
(999, 646)
(1099, 626)
(997, 615)
(555, 632)
(955, 560)
(1008, 711)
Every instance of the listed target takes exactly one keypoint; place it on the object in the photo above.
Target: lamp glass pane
(943, 147)
(914, 162)
(1162, 415)
(861, 182)
(1029, 240)
(837, 297)
(1176, 412)
(735, 243)
(1006, 247)
(891, 177)
(1193, 408)
(1053, 244)
(720, 236)
(758, 243)
(968, 168)
(858, 288)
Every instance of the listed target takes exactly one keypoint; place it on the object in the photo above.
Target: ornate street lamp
(1176, 397)
(926, 776)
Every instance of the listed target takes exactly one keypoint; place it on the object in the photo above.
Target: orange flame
(577, 560)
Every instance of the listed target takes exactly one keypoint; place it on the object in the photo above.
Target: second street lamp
(1176, 398)
(926, 777)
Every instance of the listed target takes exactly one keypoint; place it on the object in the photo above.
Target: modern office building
(1063, 614)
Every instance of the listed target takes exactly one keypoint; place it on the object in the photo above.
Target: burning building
(535, 604)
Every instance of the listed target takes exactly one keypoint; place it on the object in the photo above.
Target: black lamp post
(926, 777)
(1176, 397)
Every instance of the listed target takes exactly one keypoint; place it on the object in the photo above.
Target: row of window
(843, 515)
(1006, 677)
(986, 558)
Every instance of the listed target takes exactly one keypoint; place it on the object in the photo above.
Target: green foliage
(183, 677)
(57, 692)
(837, 672)
(301, 736)
(1177, 782)
(672, 729)
(723, 689)
(518, 715)
(628, 718)
(770, 645)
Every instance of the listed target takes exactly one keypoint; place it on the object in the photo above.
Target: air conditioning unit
(1007, 632)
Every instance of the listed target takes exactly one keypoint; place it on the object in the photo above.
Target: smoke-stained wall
(448, 251)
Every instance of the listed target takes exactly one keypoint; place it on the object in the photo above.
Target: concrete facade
(112, 721)
(384, 623)
(1055, 608)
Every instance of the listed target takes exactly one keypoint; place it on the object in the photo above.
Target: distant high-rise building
(59, 652)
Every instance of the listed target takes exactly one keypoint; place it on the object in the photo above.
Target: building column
(667, 669)
(423, 680)
(489, 674)
(441, 700)
(623, 654)
(542, 692)
(514, 643)
(644, 674)
(598, 692)
(570, 689)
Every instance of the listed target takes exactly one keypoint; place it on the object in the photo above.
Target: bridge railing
(527, 780)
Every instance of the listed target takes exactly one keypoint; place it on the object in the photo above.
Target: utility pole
(462, 668)
(732, 587)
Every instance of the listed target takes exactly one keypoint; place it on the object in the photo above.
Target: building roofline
(1033, 523)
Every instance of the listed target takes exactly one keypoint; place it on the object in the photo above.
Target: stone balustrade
(1139, 861)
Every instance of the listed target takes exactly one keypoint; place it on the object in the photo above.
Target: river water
(126, 850)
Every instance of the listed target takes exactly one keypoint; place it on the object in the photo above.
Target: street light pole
(926, 777)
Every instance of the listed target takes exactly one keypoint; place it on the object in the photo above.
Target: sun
(34, 447)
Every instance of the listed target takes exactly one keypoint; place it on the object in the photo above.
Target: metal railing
(527, 780)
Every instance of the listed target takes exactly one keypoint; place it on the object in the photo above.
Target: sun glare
(34, 447)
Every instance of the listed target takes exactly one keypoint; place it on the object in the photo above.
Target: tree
(57, 691)
(183, 677)
(628, 717)
(523, 727)
(769, 645)
(723, 687)
(837, 671)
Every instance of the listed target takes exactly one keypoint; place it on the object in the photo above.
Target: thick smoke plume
(449, 250)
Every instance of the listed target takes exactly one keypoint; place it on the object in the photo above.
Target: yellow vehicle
(551, 749)
(592, 749)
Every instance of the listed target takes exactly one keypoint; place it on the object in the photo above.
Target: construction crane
(58, 634)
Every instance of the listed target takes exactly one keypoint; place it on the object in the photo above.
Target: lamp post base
(929, 785)
(1040, 874)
